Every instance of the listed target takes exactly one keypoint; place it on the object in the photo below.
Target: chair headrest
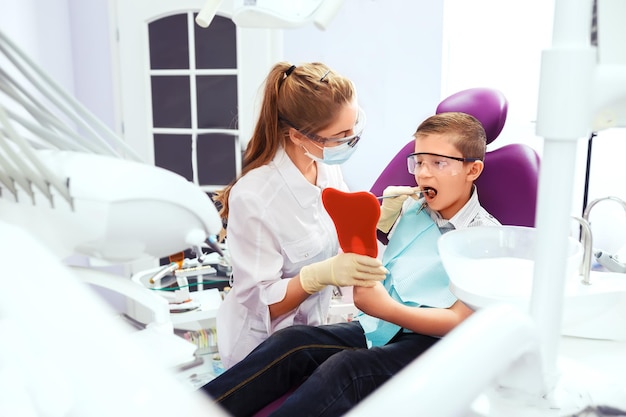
(489, 106)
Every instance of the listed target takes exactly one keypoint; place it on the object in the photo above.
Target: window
(193, 84)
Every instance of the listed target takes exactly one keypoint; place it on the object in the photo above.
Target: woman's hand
(342, 270)
(392, 206)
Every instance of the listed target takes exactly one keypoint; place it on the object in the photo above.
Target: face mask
(334, 155)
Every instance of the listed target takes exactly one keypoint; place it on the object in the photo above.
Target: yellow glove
(342, 270)
(391, 207)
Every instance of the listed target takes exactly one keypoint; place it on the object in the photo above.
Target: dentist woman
(283, 244)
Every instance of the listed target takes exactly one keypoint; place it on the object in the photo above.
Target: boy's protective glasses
(351, 140)
(434, 161)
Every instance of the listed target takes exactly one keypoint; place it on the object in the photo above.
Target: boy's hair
(468, 135)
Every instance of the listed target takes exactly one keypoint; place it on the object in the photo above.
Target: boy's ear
(475, 170)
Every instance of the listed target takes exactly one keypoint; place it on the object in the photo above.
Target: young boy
(336, 366)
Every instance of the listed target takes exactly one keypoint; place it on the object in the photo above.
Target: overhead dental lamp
(207, 13)
(70, 181)
(274, 14)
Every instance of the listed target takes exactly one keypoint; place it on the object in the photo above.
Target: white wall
(41, 30)
(69, 40)
(92, 60)
(491, 43)
(391, 49)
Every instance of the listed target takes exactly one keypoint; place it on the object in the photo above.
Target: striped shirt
(471, 215)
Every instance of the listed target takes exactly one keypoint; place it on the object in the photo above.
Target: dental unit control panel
(191, 283)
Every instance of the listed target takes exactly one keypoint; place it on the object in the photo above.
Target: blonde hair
(308, 96)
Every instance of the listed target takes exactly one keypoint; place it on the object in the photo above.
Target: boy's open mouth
(429, 192)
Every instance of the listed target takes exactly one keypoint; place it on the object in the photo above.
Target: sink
(596, 311)
(488, 265)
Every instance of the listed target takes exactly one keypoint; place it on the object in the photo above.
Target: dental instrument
(610, 262)
(214, 244)
(430, 192)
(195, 271)
(586, 239)
(603, 258)
(162, 272)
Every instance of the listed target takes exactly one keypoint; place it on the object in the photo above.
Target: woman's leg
(347, 377)
(282, 361)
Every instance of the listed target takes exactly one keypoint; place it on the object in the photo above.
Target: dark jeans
(331, 366)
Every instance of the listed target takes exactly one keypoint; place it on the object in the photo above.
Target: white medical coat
(276, 225)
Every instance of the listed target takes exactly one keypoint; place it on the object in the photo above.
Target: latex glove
(391, 207)
(342, 270)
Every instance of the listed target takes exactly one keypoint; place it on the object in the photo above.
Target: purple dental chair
(507, 187)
